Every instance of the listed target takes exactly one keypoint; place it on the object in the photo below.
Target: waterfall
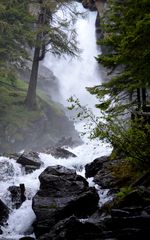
(73, 76)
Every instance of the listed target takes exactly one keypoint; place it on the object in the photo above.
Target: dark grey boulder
(30, 159)
(101, 170)
(92, 168)
(4, 212)
(62, 193)
(17, 195)
(59, 152)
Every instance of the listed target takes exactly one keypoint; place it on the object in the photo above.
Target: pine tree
(52, 34)
(127, 31)
(127, 35)
(34, 24)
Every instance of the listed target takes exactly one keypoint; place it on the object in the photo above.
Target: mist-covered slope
(30, 130)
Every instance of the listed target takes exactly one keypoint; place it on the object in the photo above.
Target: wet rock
(106, 180)
(1, 232)
(92, 169)
(90, 4)
(4, 212)
(73, 229)
(62, 193)
(123, 223)
(30, 159)
(17, 195)
(127, 223)
(119, 223)
(59, 152)
(101, 170)
(138, 197)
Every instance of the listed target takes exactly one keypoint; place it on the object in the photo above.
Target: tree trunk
(30, 100)
(39, 54)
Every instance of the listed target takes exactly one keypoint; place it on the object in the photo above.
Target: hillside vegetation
(23, 129)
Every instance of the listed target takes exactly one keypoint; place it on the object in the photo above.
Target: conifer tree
(127, 36)
(127, 31)
(34, 24)
(52, 34)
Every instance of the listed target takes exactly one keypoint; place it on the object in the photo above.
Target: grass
(17, 123)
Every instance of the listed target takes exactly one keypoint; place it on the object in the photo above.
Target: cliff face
(100, 6)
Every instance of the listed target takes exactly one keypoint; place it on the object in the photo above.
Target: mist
(74, 75)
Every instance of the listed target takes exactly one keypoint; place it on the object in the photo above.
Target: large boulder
(91, 169)
(4, 212)
(101, 170)
(62, 193)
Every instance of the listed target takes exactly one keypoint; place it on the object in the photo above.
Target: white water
(74, 76)
(21, 219)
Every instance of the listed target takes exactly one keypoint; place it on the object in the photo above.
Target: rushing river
(74, 75)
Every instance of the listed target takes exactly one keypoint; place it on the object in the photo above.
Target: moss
(123, 193)
(51, 206)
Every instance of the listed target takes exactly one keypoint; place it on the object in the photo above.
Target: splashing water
(20, 220)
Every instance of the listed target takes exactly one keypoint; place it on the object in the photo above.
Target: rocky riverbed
(66, 207)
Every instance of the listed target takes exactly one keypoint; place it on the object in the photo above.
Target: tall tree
(127, 31)
(52, 34)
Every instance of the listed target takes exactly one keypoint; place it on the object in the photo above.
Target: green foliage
(15, 31)
(127, 30)
(126, 136)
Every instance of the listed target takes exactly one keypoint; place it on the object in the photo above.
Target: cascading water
(74, 76)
